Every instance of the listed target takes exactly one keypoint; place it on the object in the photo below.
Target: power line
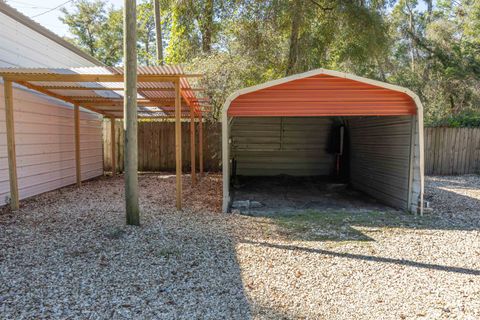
(26, 5)
(60, 5)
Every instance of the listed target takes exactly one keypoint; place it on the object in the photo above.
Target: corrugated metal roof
(159, 95)
(322, 95)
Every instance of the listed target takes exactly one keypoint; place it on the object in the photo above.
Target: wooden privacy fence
(447, 150)
(450, 151)
(156, 146)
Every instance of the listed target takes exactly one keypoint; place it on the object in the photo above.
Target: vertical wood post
(200, 143)
(192, 146)
(130, 112)
(112, 141)
(178, 143)
(12, 155)
(76, 116)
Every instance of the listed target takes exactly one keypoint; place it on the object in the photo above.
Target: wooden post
(200, 143)
(12, 155)
(130, 112)
(112, 141)
(192, 146)
(76, 116)
(178, 142)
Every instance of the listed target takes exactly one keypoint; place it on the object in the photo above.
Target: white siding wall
(44, 127)
(44, 136)
(21, 46)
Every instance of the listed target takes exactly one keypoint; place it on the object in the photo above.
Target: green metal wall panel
(380, 157)
(282, 145)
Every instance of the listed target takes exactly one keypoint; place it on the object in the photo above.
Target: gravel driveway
(68, 254)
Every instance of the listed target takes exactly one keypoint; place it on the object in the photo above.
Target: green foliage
(462, 120)
(436, 54)
(430, 47)
(96, 29)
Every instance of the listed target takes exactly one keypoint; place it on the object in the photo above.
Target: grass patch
(339, 225)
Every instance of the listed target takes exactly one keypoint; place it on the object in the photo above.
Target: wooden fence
(156, 146)
(448, 151)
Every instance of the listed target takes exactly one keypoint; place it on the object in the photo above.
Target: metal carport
(384, 121)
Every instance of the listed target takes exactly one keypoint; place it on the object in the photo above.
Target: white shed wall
(44, 127)
(21, 46)
(44, 136)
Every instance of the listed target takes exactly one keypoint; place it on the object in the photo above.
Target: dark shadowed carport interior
(291, 164)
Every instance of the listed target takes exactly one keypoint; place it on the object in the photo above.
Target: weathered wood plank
(78, 165)
(12, 155)
(130, 112)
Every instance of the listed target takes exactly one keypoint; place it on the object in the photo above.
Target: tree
(146, 34)
(430, 47)
(96, 29)
(158, 30)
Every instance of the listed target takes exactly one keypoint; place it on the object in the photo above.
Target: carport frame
(24, 77)
(418, 119)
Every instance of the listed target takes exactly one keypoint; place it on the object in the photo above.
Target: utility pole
(158, 31)
(130, 111)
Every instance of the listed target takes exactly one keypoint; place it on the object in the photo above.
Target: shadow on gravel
(403, 262)
(347, 225)
(69, 255)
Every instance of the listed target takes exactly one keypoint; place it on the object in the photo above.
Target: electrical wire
(27, 5)
(57, 7)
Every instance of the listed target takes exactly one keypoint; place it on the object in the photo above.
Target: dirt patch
(291, 195)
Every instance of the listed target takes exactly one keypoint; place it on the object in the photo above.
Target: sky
(47, 18)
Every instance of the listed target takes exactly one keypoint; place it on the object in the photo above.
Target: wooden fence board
(452, 151)
(156, 146)
(447, 150)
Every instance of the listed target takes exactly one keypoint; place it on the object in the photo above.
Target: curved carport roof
(321, 92)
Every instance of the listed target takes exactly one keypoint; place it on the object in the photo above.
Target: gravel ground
(68, 254)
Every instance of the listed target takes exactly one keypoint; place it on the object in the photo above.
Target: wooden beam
(114, 89)
(200, 143)
(78, 166)
(114, 103)
(12, 155)
(58, 96)
(112, 142)
(192, 147)
(130, 112)
(86, 99)
(76, 77)
(178, 144)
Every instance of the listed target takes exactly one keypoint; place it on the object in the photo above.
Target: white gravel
(67, 254)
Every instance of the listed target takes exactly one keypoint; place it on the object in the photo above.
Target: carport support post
(112, 141)
(200, 143)
(12, 155)
(130, 112)
(192, 145)
(178, 143)
(76, 116)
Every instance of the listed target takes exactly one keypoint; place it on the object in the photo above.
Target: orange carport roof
(322, 93)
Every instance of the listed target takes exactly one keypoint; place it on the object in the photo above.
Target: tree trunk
(293, 52)
(207, 27)
(158, 31)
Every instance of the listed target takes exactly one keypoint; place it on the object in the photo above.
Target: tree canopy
(433, 48)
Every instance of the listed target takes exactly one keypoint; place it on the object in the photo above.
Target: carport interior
(283, 164)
